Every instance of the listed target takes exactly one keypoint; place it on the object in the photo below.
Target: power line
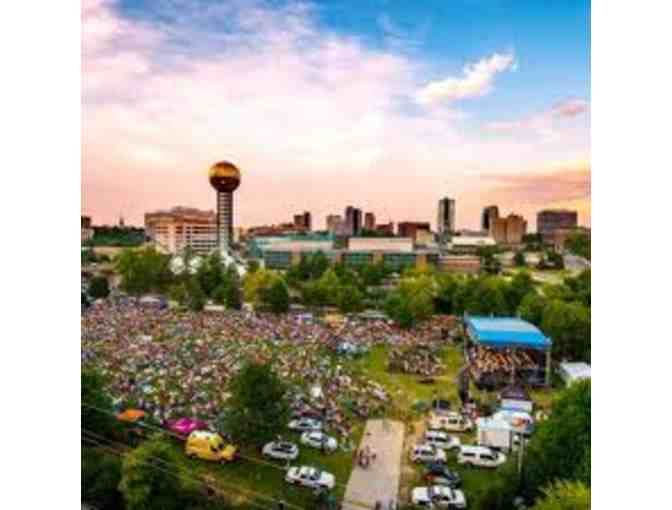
(250, 459)
(98, 441)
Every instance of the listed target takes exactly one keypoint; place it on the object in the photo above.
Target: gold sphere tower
(225, 178)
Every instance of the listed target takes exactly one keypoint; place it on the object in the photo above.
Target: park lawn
(266, 477)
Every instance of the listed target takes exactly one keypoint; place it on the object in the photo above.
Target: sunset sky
(384, 104)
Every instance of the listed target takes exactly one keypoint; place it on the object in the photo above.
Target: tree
(412, 301)
(99, 287)
(144, 271)
(179, 292)
(256, 284)
(578, 243)
(568, 324)
(350, 299)
(560, 447)
(259, 410)
(448, 288)
(153, 476)
(253, 266)
(487, 297)
(210, 273)
(196, 297)
(532, 308)
(101, 474)
(519, 259)
(519, 286)
(97, 412)
(276, 297)
(563, 495)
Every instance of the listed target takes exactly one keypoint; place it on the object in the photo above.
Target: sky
(388, 105)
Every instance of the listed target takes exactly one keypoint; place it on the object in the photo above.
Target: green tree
(568, 324)
(563, 495)
(519, 259)
(210, 273)
(196, 297)
(487, 297)
(276, 297)
(578, 243)
(97, 412)
(99, 287)
(101, 474)
(252, 266)
(412, 301)
(179, 292)
(153, 476)
(519, 287)
(532, 308)
(144, 271)
(256, 284)
(350, 299)
(447, 293)
(560, 447)
(259, 410)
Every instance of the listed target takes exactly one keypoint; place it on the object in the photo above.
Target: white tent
(575, 371)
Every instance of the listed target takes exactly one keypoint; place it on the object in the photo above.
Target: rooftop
(506, 332)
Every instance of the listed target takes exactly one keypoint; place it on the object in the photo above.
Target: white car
(424, 452)
(451, 422)
(438, 496)
(481, 456)
(310, 477)
(305, 424)
(281, 450)
(318, 439)
(441, 440)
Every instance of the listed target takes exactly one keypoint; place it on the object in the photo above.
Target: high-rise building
(87, 230)
(550, 220)
(446, 217)
(370, 221)
(175, 229)
(508, 230)
(333, 222)
(225, 178)
(489, 214)
(353, 220)
(386, 228)
(411, 228)
(303, 221)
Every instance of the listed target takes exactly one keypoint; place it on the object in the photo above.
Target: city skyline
(381, 104)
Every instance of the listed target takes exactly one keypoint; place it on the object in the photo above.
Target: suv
(451, 422)
(441, 440)
(481, 456)
(425, 452)
(437, 496)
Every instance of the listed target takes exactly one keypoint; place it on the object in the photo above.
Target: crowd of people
(491, 368)
(176, 364)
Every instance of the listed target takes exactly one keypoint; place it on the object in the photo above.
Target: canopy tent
(503, 332)
(508, 333)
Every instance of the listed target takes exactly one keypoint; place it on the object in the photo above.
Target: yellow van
(209, 446)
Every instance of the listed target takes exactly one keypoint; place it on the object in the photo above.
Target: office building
(410, 228)
(508, 230)
(549, 220)
(488, 215)
(445, 223)
(303, 221)
(333, 221)
(87, 230)
(386, 228)
(175, 229)
(369, 221)
(353, 220)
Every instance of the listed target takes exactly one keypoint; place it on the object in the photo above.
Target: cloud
(544, 123)
(570, 108)
(477, 80)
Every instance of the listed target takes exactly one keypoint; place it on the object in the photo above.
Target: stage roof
(501, 332)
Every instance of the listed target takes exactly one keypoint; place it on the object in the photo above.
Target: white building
(175, 229)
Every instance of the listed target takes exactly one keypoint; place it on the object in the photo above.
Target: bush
(99, 287)
(101, 474)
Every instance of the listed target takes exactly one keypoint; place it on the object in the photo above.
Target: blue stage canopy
(502, 332)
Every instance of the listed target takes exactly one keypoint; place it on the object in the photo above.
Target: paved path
(380, 481)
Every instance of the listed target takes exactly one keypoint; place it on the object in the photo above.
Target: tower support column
(224, 220)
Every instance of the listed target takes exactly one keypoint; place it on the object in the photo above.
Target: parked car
(451, 422)
(281, 450)
(438, 474)
(182, 427)
(310, 477)
(481, 456)
(210, 446)
(441, 440)
(424, 452)
(318, 439)
(305, 424)
(437, 496)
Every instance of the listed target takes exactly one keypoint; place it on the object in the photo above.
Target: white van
(481, 456)
(441, 440)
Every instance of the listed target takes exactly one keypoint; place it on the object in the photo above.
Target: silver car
(281, 450)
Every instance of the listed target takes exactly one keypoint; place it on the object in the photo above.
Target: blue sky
(486, 101)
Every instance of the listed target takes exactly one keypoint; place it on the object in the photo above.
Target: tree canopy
(99, 287)
(258, 403)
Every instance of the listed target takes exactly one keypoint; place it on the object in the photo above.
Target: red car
(182, 427)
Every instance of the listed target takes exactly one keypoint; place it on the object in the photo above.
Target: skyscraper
(225, 178)
(303, 220)
(550, 220)
(353, 220)
(370, 221)
(446, 218)
(489, 214)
